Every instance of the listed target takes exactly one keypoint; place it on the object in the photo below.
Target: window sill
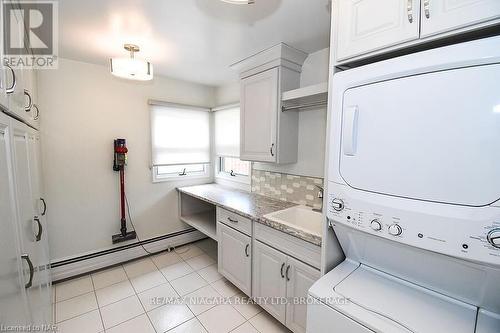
(236, 179)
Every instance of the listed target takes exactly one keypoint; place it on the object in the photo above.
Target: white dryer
(414, 195)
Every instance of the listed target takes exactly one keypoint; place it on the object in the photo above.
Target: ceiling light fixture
(131, 68)
(240, 2)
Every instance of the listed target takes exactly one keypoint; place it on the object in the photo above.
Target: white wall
(312, 122)
(83, 109)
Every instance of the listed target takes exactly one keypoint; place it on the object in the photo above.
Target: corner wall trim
(72, 267)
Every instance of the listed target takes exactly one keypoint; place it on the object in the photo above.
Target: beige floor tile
(191, 326)
(221, 319)
(86, 323)
(244, 305)
(188, 283)
(210, 273)
(188, 251)
(109, 277)
(139, 324)
(200, 262)
(165, 259)
(114, 293)
(121, 311)
(225, 288)
(75, 306)
(176, 271)
(245, 328)
(147, 281)
(139, 267)
(72, 288)
(157, 296)
(207, 245)
(169, 316)
(202, 299)
(265, 323)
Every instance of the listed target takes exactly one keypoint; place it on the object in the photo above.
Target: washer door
(433, 137)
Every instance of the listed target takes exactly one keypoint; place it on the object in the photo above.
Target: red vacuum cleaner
(119, 162)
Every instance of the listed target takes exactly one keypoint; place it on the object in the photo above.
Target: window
(180, 137)
(227, 145)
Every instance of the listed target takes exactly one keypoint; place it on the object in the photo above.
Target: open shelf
(205, 222)
(317, 93)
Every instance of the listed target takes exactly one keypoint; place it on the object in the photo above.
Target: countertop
(250, 205)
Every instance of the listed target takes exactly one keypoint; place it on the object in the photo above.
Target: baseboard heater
(188, 235)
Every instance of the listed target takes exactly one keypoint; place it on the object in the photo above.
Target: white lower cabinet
(278, 277)
(235, 257)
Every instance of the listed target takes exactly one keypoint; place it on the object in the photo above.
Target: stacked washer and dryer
(414, 195)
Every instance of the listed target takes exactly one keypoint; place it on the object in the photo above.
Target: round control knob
(494, 238)
(376, 225)
(395, 229)
(337, 204)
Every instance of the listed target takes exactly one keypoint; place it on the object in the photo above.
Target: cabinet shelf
(304, 97)
(205, 222)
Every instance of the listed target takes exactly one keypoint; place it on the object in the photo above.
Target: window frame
(158, 178)
(227, 176)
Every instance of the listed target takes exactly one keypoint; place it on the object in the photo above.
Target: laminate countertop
(250, 205)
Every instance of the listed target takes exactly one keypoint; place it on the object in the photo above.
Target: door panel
(431, 137)
(13, 305)
(234, 257)
(365, 25)
(300, 278)
(259, 107)
(439, 16)
(269, 279)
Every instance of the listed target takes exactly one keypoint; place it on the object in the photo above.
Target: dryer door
(433, 137)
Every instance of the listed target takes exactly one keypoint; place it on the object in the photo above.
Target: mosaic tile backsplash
(298, 189)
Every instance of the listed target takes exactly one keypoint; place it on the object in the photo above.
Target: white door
(234, 257)
(366, 25)
(32, 239)
(439, 16)
(300, 277)
(432, 137)
(269, 280)
(13, 304)
(259, 112)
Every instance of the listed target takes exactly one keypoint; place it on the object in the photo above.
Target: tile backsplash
(298, 189)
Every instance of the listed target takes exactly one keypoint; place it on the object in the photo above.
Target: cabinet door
(259, 112)
(365, 25)
(30, 225)
(269, 279)
(13, 304)
(439, 16)
(3, 84)
(300, 277)
(234, 257)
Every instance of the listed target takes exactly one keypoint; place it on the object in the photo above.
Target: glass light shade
(132, 69)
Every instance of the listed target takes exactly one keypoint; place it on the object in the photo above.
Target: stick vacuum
(119, 162)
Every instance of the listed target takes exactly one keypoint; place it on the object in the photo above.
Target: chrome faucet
(320, 196)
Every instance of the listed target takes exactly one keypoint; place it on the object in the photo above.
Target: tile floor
(122, 299)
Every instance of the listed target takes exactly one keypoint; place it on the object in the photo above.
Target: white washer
(414, 194)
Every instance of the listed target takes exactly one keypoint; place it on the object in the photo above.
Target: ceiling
(193, 40)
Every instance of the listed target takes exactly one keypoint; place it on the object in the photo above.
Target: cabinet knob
(427, 9)
(32, 270)
(272, 149)
(409, 10)
(287, 271)
(282, 274)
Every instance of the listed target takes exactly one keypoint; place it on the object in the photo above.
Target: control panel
(472, 233)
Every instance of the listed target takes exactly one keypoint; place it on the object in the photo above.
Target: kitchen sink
(301, 217)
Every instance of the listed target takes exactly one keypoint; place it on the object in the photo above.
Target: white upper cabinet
(267, 133)
(440, 16)
(365, 28)
(367, 25)
(259, 107)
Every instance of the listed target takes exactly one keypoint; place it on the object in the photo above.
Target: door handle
(409, 10)
(38, 236)
(350, 130)
(12, 88)
(246, 250)
(271, 150)
(287, 270)
(32, 270)
(37, 112)
(282, 274)
(427, 9)
(231, 220)
(27, 108)
(44, 206)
